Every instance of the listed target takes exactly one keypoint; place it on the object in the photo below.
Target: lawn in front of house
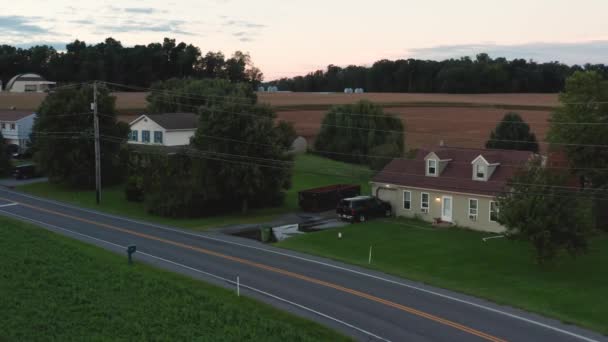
(58, 289)
(501, 270)
(310, 171)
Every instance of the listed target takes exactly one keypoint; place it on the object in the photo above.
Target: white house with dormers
(170, 129)
(451, 185)
(16, 127)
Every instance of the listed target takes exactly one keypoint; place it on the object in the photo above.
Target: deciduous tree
(540, 208)
(512, 133)
(64, 140)
(580, 128)
(353, 133)
(5, 163)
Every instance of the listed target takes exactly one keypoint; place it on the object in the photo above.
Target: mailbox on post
(130, 250)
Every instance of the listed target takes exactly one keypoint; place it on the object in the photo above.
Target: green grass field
(57, 289)
(309, 172)
(501, 270)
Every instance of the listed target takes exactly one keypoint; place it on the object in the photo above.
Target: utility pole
(97, 149)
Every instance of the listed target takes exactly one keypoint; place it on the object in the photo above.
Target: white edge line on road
(480, 306)
(207, 274)
(8, 205)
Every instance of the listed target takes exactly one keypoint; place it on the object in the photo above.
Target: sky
(291, 37)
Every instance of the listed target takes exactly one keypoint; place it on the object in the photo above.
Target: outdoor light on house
(437, 199)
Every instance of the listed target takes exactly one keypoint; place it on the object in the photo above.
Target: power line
(405, 131)
(571, 193)
(190, 150)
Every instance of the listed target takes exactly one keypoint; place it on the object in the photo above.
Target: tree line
(465, 75)
(140, 65)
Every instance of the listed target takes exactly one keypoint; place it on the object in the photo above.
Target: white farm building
(170, 129)
(25, 83)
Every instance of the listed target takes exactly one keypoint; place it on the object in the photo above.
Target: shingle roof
(14, 115)
(457, 176)
(175, 120)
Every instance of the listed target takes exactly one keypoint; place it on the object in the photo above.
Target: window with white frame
(13, 126)
(494, 211)
(424, 202)
(407, 200)
(480, 171)
(473, 209)
(431, 167)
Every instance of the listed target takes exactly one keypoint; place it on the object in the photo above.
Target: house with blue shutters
(169, 129)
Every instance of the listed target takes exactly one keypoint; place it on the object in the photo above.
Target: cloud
(59, 46)
(21, 26)
(243, 23)
(172, 26)
(569, 53)
(141, 10)
(246, 31)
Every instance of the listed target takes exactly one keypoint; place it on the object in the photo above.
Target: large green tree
(245, 152)
(64, 137)
(5, 163)
(580, 128)
(512, 133)
(238, 159)
(361, 133)
(542, 209)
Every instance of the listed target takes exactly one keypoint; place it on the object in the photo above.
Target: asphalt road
(364, 304)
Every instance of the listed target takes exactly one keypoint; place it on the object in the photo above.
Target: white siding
(170, 137)
(146, 124)
(21, 134)
(460, 206)
(177, 138)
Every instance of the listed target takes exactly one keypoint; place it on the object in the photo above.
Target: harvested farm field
(458, 119)
(426, 126)
(286, 100)
(129, 101)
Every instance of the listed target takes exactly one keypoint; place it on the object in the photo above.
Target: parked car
(25, 171)
(362, 208)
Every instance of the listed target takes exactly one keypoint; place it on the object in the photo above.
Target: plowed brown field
(457, 119)
(295, 99)
(426, 126)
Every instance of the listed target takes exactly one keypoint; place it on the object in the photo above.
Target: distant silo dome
(261, 89)
(348, 90)
(359, 91)
(28, 83)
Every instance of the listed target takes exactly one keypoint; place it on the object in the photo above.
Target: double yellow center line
(277, 270)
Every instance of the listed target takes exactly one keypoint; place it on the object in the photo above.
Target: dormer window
(480, 171)
(431, 167)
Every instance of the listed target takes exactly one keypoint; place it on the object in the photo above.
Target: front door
(446, 209)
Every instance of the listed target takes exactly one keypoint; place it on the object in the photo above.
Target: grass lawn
(573, 290)
(55, 288)
(309, 172)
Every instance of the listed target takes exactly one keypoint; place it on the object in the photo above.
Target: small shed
(299, 145)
